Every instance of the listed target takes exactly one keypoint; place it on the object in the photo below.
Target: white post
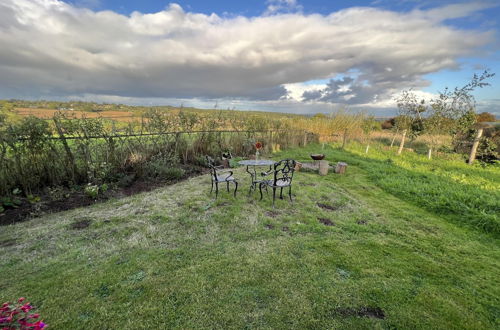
(401, 145)
(473, 151)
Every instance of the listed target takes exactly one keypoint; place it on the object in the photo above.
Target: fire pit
(317, 156)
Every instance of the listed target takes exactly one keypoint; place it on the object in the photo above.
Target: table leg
(252, 176)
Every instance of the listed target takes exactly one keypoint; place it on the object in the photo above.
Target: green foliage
(158, 169)
(92, 190)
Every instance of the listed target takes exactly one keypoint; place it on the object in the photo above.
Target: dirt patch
(80, 224)
(8, 242)
(362, 222)
(326, 222)
(269, 226)
(75, 199)
(371, 312)
(272, 214)
(140, 186)
(327, 207)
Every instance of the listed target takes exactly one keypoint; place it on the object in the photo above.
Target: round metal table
(254, 163)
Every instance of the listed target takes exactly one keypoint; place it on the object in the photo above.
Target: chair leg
(235, 187)
(290, 193)
(216, 190)
(260, 190)
(250, 190)
(274, 195)
(281, 193)
(227, 186)
(212, 188)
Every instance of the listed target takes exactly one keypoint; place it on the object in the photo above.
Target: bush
(158, 169)
(19, 316)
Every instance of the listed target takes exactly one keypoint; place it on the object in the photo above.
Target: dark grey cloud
(51, 48)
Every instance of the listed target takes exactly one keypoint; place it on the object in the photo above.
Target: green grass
(174, 258)
(464, 194)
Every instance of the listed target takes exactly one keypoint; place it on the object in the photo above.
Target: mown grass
(175, 258)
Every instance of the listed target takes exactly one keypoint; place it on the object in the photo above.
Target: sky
(274, 55)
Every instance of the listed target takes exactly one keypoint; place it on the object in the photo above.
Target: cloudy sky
(278, 55)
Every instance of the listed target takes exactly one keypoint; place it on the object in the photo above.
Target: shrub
(19, 316)
(162, 170)
(92, 190)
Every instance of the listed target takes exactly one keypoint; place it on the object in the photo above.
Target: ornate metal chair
(218, 175)
(282, 177)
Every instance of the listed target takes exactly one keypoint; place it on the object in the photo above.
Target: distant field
(49, 113)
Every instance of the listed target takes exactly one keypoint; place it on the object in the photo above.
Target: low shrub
(19, 316)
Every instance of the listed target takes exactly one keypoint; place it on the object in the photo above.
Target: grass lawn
(393, 254)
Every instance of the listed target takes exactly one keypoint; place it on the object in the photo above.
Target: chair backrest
(283, 171)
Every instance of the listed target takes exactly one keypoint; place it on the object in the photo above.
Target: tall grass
(467, 195)
(37, 153)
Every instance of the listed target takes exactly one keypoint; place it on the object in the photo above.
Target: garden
(395, 242)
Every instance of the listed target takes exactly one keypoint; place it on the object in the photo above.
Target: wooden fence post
(473, 151)
(344, 139)
(305, 138)
(402, 144)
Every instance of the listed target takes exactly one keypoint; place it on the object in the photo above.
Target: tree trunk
(340, 168)
(367, 148)
(305, 138)
(473, 151)
(323, 167)
(401, 145)
(429, 153)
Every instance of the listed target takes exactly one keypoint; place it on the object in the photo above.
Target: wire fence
(33, 160)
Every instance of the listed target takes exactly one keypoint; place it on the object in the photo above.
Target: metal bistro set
(279, 175)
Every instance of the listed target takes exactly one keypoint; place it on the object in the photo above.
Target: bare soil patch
(74, 199)
(362, 222)
(272, 214)
(81, 224)
(327, 206)
(326, 222)
(8, 242)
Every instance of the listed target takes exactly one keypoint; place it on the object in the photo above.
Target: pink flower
(21, 299)
(39, 325)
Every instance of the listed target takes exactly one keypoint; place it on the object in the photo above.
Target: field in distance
(49, 113)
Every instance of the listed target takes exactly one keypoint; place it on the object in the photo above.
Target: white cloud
(275, 6)
(51, 48)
